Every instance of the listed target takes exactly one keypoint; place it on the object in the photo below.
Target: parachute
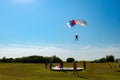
(72, 23)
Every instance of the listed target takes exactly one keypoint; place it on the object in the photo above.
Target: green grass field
(94, 71)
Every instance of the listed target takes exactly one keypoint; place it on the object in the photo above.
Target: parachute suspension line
(77, 33)
(74, 31)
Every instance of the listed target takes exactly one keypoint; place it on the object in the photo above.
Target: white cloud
(15, 50)
(93, 52)
(80, 53)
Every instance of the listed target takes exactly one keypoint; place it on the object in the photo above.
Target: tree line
(31, 59)
(108, 58)
(55, 59)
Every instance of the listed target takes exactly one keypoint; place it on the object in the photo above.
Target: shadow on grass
(81, 76)
(118, 70)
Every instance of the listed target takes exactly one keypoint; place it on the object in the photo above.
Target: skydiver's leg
(76, 37)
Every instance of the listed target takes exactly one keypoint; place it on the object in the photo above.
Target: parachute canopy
(72, 23)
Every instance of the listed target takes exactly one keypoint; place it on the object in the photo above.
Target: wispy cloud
(16, 50)
(81, 53)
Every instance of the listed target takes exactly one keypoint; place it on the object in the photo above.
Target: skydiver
(76, 37)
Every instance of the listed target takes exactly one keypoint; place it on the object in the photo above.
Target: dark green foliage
(102, 60)
(109, 58)
(8, 60)
(56, 59)
(70, 60)
(17, 60)
(31, 59)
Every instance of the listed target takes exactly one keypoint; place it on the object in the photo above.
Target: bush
(70, 60)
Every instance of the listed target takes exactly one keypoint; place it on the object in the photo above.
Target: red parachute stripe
(73, 22)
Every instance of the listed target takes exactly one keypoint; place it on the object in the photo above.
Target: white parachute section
(81, 22)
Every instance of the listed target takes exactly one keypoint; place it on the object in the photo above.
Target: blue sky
(38, 27)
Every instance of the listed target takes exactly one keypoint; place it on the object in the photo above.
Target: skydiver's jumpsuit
(76, 37)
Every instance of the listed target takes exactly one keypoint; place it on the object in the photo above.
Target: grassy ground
(94, 71)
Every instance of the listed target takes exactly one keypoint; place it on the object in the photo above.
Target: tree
(70, 60)
(17, 60)
(102, 60)
(56, 59)
(31, 59)
(110, 58)
(4, 59)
